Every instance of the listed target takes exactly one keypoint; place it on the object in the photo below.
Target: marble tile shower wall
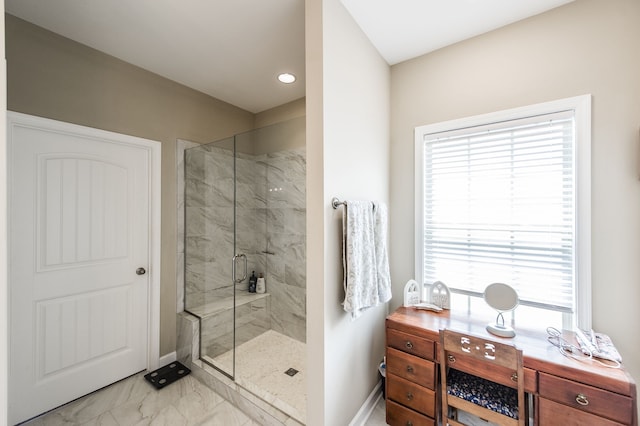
(286, 239)
(270, 230)
(209, 202)
(251, 204)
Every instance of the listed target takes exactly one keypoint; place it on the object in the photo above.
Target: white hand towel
(382, 259)
(365, 261)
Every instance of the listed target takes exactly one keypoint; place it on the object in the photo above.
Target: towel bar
(335, 203)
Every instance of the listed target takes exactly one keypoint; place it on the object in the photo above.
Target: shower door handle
(235, 258)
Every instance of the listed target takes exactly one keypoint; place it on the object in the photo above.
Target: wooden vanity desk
(565, 391)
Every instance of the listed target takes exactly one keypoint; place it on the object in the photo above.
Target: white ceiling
(405, 29)
(234, 50)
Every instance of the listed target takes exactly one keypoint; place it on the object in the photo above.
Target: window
(505, 197)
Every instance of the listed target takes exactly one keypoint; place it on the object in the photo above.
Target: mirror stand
(502, 298)
(499, 329)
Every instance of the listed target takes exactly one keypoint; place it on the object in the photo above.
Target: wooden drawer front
(411, 367)
(552, 413)
(404, 342)
(596, 401)
(397, 415)
(411, 395)
(497, 373)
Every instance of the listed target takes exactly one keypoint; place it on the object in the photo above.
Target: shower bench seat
(217, 334)
(223, 304)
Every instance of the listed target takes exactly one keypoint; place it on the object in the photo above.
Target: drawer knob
(514, 377)
(451, 358)
(409, 423)
(409, 396)
(409, 345)
(582, 399)
(409, 369)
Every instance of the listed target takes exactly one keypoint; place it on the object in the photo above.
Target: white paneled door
(79, 246)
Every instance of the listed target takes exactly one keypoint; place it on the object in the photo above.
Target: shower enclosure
(245, 213)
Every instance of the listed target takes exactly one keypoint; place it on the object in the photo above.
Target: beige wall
(54, 77)
(268, 138)
(316, 337)
(3, 229)
(347, 157)
(588, 46)
(280, 113)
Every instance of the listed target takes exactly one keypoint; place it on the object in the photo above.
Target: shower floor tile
(261, 364)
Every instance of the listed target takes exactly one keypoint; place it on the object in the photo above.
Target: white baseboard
(369, 405)
(166, 359)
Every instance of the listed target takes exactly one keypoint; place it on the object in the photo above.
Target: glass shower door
(251, 307)
(210, 249)
(245, 202)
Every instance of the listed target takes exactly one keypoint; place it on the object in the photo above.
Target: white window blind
(499, 205)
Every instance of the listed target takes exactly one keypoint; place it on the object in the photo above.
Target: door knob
(141, 271)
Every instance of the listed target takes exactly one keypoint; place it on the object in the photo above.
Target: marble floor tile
(133, 401)
(199, 404)
(225, 414)
(105, 419)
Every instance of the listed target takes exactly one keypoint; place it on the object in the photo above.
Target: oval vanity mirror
(502, 298)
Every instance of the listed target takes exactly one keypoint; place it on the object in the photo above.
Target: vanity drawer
(424, 348)
(411, 395)
(411, 367)
(497, 373)
(586, 398)
(397, 415)
(553, 413)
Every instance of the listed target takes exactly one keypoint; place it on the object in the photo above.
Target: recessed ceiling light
(286, 78)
